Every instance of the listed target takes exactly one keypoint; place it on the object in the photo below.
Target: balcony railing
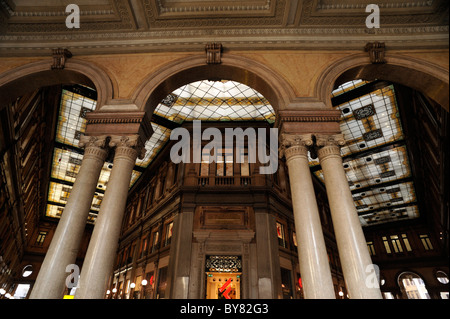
(224, 180)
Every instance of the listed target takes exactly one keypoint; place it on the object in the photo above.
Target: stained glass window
(375, 156)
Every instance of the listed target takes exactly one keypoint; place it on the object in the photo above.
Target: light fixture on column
(132, 285)
(143, 284)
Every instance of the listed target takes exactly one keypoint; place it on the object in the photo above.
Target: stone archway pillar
(128, 132)
(63, 249)
(312, 252)
(356, 263)
(102, 248)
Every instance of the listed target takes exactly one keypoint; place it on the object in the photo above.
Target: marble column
(102, 248)
(179, 271)
(312, 252)
(355, 259)
(63, 249)
(267, 255)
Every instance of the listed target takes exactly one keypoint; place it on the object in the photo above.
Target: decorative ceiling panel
(166, 25)
(213, 14)
(210, 8)
(50, 16)
(352, 13)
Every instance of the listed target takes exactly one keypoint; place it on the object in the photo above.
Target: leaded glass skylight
(375, 156)
(215, 101)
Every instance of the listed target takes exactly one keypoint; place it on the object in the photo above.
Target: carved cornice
(361, 5)
(304, 121)
(119, 123)
(425, 37)
(157, 25)
(221, 7)
(317, 115)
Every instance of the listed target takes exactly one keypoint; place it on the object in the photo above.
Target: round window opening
(442, 277)
(27, 271)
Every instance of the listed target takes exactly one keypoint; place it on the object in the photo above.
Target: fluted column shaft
(63, 249)
(354, 255)
(102, 248)
(312, 253)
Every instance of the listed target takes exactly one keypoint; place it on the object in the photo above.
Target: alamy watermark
(372, 276)
(73, 19)
(73, 279)
(373, 19)
(213, 151)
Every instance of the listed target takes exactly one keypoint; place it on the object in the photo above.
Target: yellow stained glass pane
(65, 164)
(59, 193)
(375, 156)
(155, 143)
(71, 121)
(54, 211)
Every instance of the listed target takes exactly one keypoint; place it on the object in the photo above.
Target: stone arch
(421, 75)
(18, 81)
(187, 70)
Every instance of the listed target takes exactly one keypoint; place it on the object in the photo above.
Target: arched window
(27, 271)
(442, 277)
(413, 286)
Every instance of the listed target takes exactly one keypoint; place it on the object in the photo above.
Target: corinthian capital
(330, 140)
(295, 144)
(93, 141)
(132, 142)
(329, 145)
(95, 147)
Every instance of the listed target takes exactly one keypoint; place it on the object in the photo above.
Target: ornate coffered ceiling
(32, 28)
